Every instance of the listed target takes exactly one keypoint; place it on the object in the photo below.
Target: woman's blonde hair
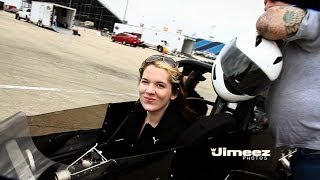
(175, 74)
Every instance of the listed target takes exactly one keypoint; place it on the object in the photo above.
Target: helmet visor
(241, 74)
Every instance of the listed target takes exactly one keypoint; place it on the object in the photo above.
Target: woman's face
(155, 89)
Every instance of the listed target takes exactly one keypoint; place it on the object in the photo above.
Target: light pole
(125, 12)
(212, 36)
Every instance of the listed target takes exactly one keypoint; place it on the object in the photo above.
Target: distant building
(208, 46)
(91, 10)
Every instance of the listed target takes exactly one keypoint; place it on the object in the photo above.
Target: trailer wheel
(160, 48)
(39, 23)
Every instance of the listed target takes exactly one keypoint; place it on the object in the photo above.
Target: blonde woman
(160, 115)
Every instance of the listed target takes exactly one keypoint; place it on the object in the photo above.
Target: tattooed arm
(280, 22)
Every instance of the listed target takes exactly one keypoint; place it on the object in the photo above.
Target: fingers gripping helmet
(245, 67)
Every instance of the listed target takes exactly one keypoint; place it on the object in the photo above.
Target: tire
(112, 39)
(17, 16)
(39, 23)
(160, 48)
(124, 42)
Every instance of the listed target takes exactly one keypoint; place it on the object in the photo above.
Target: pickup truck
(23, 14)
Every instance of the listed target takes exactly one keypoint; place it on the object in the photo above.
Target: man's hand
(280, 22)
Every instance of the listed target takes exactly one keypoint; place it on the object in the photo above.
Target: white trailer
(45, 14)
(120, 28)
(173, 41)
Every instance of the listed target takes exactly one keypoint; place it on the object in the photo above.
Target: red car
(127, 38)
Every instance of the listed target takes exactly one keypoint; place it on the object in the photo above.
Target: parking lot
(43, 71)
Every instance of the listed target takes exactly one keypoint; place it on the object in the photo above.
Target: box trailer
(53, 16)
(173, 42)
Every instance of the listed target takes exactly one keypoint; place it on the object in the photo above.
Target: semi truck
(54, 16)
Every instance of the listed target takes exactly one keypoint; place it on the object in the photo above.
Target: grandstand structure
(208, 46)
(91, 10)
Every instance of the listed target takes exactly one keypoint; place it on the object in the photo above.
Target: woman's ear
(175, 94)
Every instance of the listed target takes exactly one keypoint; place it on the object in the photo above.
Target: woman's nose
(150, 89)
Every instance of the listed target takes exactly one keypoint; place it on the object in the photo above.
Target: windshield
(20, 159)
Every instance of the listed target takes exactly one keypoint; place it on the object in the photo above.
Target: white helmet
(245, 67)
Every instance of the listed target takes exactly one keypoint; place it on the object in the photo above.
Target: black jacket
(163, 136)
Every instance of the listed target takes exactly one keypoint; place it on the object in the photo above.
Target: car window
(130, 35)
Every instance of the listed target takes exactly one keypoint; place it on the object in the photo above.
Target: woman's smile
(149, 99)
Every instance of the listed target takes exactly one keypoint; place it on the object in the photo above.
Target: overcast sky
(223, 19)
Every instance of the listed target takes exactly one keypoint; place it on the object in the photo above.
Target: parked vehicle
(53, 16)
(24, 14)
(127, 38)
(205, 54)
(10, 8)
(210, 55)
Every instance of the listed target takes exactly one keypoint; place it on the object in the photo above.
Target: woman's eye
(160, 86)
(144, 82)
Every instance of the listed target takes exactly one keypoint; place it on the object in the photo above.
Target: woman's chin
(149, 107)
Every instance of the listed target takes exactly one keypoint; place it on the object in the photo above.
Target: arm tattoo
(292, 19)
(280, 22)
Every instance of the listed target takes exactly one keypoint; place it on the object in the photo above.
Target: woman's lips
(149, 99)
